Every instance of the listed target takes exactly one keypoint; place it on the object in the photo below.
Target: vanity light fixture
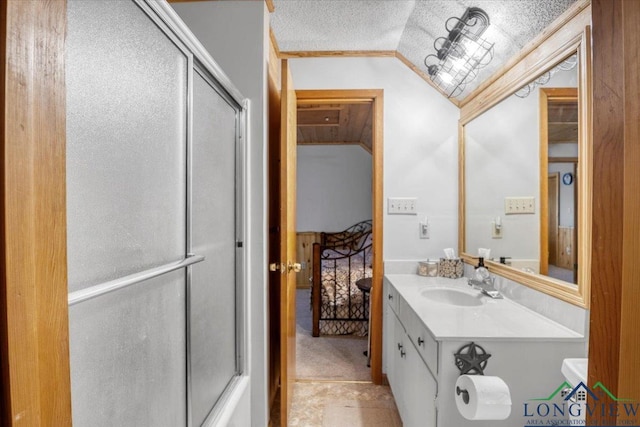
(462, 53)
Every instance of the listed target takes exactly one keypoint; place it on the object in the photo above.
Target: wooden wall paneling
(34, 328)
(608, 188)
(614, 341)
(566, 251)
(629, 373)
(305, 241)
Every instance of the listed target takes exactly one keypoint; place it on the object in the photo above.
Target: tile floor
(342, 404)
(326, 403)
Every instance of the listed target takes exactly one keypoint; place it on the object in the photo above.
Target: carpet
(335, 358)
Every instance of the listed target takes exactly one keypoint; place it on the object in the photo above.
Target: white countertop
(495, 319)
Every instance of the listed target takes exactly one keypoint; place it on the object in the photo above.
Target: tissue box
(450, 268)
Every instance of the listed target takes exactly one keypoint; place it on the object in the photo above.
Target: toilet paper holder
(464, 393)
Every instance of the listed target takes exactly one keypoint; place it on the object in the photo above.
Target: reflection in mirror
(504, 183)
(558, 179)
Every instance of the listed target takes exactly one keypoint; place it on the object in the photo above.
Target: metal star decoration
(471, 359)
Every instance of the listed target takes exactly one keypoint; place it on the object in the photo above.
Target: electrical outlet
(519, 205)
(424, 229)
(496, 232)
(402, 205)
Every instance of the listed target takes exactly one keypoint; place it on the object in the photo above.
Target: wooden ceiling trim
(561, 21)
(331, 143)
(319, 117)
(367, 134)
(366, 148)
(563, 160)
(359, 120)
(333, 122)
(319, 125)
(274, 43)
(320, 108)
(332, 101)
(337, 53)
(270, 6)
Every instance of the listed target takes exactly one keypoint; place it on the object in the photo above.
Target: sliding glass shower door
(154, 221)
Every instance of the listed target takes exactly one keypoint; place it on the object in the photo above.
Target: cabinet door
(387, 331)
(420, 390)
(396, 372)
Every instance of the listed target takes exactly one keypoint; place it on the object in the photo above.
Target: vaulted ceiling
(408, 27)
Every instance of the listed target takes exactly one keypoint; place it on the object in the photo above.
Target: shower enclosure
(155, 219)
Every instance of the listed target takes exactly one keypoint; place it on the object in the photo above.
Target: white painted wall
(236, 35)
(334, 187)
(420, 146)
(503, 160)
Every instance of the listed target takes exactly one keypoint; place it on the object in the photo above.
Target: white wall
(236, 35)
(420, 146)
(334, 187)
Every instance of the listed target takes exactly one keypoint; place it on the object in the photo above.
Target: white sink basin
(575, 370)
(452, 297)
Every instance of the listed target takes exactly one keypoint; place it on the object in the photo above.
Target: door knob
(295, 266)
(275, 266)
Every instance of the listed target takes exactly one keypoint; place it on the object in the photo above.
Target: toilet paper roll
(480, 397)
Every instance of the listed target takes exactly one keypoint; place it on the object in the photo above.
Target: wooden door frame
(547, 96)
(36, 385)
(287, 236)
(376, 98)
(555, 178)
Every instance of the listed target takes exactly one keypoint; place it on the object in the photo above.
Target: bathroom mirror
(525, 171)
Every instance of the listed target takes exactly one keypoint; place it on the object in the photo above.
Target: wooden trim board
(35, 340)
(337, 53)
(614, 342)
(574, 37)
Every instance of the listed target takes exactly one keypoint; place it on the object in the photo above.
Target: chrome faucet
(486, 286)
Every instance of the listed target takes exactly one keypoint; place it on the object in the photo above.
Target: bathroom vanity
(427, 320)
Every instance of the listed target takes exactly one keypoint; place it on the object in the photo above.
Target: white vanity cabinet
(421, 338)
(413, 385)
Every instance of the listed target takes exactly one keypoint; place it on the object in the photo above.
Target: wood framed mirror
(514, 150)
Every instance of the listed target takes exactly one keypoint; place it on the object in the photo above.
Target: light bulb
(446, 78)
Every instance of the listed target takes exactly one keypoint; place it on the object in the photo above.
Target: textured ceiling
(409, 27)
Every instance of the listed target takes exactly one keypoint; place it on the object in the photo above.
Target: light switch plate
(402, 206)
(519, 205)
